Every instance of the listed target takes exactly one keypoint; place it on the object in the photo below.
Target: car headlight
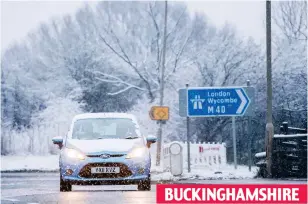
(74, 154)
(136, 153)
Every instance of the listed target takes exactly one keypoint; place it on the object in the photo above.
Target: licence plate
(104, 170)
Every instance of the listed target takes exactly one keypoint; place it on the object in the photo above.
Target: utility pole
(162, 79)
(269, 121)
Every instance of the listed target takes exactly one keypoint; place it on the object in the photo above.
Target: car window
(110, 129)
(104, 128)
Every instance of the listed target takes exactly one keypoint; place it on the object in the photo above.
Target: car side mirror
(58, 141)
(150, 140)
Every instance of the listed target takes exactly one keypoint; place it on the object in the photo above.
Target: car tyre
(145, 185)
(64, 185)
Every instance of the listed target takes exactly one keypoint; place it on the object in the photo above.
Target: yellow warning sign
(159, 113)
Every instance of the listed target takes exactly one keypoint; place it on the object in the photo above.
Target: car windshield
(104, 128)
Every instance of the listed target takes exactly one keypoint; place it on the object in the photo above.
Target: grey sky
(20, 17)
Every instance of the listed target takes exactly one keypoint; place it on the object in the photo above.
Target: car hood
(104, 145)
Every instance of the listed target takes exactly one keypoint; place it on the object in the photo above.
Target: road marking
(10, 199)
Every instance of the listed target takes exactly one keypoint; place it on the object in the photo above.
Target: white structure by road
(203, 155)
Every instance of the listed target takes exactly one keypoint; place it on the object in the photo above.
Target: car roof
(104, 115)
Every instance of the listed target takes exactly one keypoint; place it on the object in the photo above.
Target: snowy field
(50, 163)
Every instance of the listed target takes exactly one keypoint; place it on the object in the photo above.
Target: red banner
(226, 193)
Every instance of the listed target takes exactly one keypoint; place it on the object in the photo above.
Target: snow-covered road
(44, 188)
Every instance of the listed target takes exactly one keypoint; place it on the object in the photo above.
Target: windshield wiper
(131, 137)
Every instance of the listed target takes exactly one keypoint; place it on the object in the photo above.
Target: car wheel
(64, 185)
(145, 185)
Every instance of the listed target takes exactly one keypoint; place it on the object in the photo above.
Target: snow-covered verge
(30, 163)
(50, 163)
(205, 173)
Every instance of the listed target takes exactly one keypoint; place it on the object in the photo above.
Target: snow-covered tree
(133, 34)
(110, 58)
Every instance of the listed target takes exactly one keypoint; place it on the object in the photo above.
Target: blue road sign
(209, 102)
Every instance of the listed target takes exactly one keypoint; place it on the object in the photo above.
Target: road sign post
(161, 115)
(188, 140)
(234, 142)
(249, 137)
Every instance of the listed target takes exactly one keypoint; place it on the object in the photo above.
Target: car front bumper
(104, 181)
(136, 170)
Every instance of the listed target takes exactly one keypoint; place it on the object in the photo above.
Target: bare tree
(291, 19)
(134, 39)
(225, 60)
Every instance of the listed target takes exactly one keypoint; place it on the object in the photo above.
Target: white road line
(10, 199)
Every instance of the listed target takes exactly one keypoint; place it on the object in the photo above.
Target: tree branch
(117, 82)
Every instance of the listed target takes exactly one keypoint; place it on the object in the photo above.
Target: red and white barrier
(207, 155)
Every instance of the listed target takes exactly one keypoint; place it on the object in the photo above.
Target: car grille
(86, 171)
(111, 155)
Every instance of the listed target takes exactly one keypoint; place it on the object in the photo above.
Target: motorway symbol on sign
(223, 101)
(159, 113)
